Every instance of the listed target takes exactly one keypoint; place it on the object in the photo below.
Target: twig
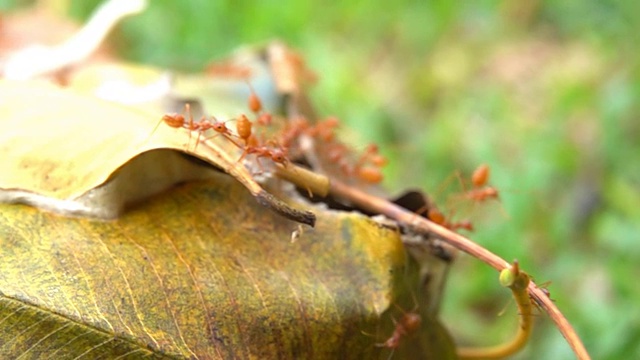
(39, 60)
(316, 184)
(518, 282)
(420, 224)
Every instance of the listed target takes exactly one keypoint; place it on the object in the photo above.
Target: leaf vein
(129, 292)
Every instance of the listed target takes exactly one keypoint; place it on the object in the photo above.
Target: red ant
(544, 288)
(219, 127)
(371, 154)
(251, 144)
(276, 155)
(409, 323)
(292, 131)
(482, 194)
(244, 129)
(479, 191)
(370, 174)
(255, 105)
(463, 224)
(437, 217)
(479, 178)
(244, 126)
(337, 152)
(179, 121)
(325, 130)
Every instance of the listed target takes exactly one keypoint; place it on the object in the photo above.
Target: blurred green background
(546, 92)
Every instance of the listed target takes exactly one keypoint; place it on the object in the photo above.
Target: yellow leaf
(58, 145)
(202, 272)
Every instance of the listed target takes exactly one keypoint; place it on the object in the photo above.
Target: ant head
(466, 224)
(219, 127)
(491, 192)
(411, 321)
(279, 156)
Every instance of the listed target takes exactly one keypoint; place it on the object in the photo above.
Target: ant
(219, 127)
(325, 130)
(437, 217)
(371, 154)
(251, 143)
(544, 287)
(292, 131)
(480, 191)
(463, 224)
(482, 194)
(370, 174)
(479, 178)
(179, 121)
(276, 155)
(408, 324)
(367, 166)
(244, 126)
(255, 105)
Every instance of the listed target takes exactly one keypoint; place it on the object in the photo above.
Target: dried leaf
(65, 144)
(201, 272)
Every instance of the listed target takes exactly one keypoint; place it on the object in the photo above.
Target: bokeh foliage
(546, 92)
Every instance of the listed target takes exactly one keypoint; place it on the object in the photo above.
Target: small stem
(517, 281)
(316, 184)
(381, 206)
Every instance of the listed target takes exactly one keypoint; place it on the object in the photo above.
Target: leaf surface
(199, 272)
(57, 144)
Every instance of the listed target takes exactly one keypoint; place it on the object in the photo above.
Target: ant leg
(187, 109)
(244, 154)
(259, 164)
